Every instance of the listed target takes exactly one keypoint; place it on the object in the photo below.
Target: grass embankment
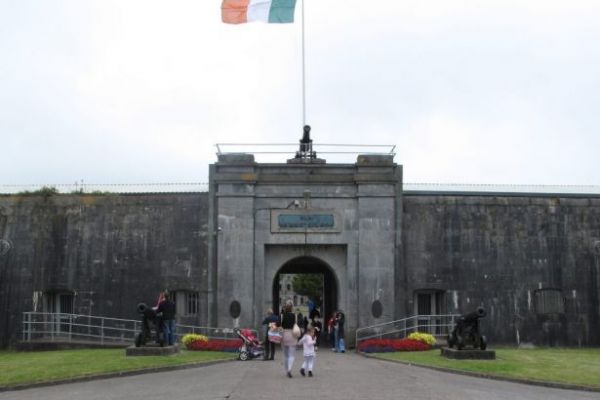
(566, 366)
(18, 368)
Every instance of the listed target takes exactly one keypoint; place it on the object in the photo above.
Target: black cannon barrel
(141, 308)
(475, 315)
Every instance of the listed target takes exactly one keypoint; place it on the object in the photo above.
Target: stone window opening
(427, 303)
(187, 303)
(549, 301)
(60, 302)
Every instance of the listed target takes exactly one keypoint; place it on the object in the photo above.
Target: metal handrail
(61, 326)
(103, 188)
(386, 149)
(437, 325)
(408, 187)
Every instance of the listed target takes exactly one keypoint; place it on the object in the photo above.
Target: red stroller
(251, 347)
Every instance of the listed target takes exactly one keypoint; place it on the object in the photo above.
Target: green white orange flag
(271, 11)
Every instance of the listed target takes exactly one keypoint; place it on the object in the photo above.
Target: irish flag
(271, 11)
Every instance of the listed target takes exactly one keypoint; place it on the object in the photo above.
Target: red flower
(387, 345)
(230, 345)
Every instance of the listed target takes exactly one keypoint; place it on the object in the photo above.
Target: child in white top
(308, 342)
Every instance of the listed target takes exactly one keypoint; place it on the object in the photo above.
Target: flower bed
(190, 338)
(389, 345)
(201, 342)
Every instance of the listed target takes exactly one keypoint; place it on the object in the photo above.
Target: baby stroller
(251, 347)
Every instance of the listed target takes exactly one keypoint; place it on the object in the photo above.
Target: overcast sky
(136, 91)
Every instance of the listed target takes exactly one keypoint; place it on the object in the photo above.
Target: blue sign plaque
(305, 221)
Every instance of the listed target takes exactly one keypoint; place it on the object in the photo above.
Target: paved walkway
(337, 376)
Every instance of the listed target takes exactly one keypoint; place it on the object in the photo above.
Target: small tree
(310, 285)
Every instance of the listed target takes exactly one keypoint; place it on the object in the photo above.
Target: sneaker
(310, 373)
(289, 374)
(302, 372)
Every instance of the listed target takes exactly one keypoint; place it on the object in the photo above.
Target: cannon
(466, 331)
(151, 321)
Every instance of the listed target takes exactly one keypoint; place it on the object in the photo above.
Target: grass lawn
(570, 366)
(43, 366)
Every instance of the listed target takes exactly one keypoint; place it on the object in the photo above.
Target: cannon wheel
(460, 344)
(139, 339)
(483, 343)
(451, 341)
(243, 355)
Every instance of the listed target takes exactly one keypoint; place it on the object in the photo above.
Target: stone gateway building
(532, 260)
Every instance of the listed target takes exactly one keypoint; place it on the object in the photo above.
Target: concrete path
(337, 376)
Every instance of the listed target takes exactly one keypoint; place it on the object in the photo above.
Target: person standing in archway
(331, 330)
(315, 318)
(340, 344)
(289, 341)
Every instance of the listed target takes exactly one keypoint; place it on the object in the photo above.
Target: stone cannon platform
(468, 354)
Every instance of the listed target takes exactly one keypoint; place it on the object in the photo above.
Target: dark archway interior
(310, 265)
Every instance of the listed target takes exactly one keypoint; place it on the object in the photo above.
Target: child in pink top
(308, 342)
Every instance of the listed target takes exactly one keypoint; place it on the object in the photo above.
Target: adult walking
(288, 342)
(270, 320)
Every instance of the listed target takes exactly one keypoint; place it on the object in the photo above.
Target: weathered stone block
(374, 159)
(236, 158)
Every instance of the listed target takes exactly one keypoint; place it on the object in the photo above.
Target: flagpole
(303, 72)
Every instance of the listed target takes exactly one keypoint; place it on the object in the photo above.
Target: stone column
(376, 239)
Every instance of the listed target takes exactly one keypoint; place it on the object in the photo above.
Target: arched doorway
(310, 265)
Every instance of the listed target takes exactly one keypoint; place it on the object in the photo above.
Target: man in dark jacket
(271, 318)
(167, 309)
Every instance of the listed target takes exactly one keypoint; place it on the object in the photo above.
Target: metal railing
(291, 148)
(40, 326)
(483, 188)
(201, 187)
(437, 325)
(106, 188)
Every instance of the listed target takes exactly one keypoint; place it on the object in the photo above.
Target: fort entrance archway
(328, 298)
(272, 220)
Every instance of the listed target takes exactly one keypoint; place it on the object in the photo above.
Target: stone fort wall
(110, 251)
(515, 255)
